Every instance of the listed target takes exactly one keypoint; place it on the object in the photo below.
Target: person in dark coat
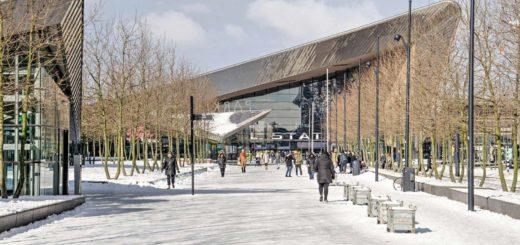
(222, 160)
(171, 168)
(311, 160)
(289, 163)
(325, 169)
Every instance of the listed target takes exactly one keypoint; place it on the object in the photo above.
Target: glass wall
(297, 114)
(48, 118)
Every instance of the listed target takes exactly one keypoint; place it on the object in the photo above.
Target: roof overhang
(225, 124)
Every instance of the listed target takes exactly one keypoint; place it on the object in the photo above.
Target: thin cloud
(235, 32)
(196, 8)
(311, 19)
(176, 26)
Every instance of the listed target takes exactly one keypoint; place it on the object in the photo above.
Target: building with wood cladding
(292, 84)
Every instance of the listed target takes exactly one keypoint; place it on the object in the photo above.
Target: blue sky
(216, 33)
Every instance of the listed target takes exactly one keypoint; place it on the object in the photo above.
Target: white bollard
(382, 212)
(401, 219)
(373, 204)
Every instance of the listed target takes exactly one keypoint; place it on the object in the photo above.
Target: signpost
(194, 117)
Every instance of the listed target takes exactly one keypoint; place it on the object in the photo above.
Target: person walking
(325, 169)
(243, 160)
(311, 160)
(266, 159)
(334, 158)
(288, 162)
(343, 162)
(222, 160)
(383, 161)
(277, 159)
(170, 168)
(298, 162)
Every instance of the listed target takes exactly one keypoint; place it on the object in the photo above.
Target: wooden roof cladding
(338, 52)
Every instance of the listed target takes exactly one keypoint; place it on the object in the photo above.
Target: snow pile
(9, 206)
(96, 173)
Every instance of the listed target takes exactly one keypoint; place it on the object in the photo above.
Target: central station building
(286, 92)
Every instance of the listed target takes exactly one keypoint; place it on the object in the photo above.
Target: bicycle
(397, 183)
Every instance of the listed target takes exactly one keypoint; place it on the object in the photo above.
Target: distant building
(54, 113)
(288, 82)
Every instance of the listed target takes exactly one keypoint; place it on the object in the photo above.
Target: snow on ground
(489, 190)
(443, 220)
(96, 173)
(258, 207)
(8, 206)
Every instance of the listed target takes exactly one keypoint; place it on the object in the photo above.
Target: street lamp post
(377, 113)
(345, 110)
(336, 107)
(471, 156)
(328, 109)
(359, 110)
(407, 45)
(312, 126)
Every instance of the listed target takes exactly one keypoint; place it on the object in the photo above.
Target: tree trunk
(25, 109)
(451, 149)
(464, 154)
(177, 149)
(444, 158)
(420, 157)
(515, 154)
(485, 156)
(499, 150)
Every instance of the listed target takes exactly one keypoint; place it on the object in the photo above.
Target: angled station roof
(338, 52)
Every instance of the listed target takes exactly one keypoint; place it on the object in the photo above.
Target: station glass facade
(288, 124)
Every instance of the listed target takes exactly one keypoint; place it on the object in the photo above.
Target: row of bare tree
(439, 95)
(137, 91)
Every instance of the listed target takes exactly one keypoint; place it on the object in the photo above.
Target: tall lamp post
(328, 110)
(359, 110)
(345, 110)
(377, 113)
(471, 156)
(407, 45)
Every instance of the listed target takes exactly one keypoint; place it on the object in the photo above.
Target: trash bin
(356, 167)
(408, 179)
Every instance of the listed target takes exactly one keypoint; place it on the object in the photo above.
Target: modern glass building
(292, 84)
(54, 81)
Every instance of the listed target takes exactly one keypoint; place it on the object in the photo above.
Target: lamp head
(397, 37)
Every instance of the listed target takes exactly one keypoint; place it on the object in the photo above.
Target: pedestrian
(353, 158)
(311, 159)
(289, 163)
(170, 168)
(243, 160)
(343, 162)
(383, 161)
(277, 159)
(222, 160)
(334, 158)
(266, 159)
(298, 162)
(325, 169)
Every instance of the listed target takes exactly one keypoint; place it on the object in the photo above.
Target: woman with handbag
(325, 169)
